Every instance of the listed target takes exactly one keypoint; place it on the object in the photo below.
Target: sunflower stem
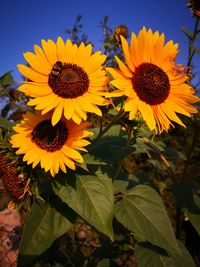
(191, 51)
(178, 222)
(121, 162)
(115, 119)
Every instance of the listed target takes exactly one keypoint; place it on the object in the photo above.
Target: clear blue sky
(24, 23)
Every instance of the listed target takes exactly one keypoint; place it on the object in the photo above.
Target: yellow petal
(49, 48)
(49, 163)
(68, 48)
(41, 56)
(57, 112)
(32, 74)
(36, 64)
(68, 108)
(126, 71)
(71, 153)
(68, 162)
(56, 162)
(31, 89)
(76, 117)
(44, 101)
(171, 114)
(127, 54)
(147, 114)
(95, 62)
(61, 49)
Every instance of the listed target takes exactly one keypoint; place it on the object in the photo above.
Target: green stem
(192, 40)
(100, 125)
(115, 119)
(178, 222)
(120, 163)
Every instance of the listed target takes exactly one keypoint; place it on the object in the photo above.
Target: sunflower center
(151, 83)
(68, 80)
(48, 137)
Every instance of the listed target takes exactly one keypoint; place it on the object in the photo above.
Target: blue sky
(24, 23)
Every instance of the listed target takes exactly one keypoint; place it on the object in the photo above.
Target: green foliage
(44, 225)
(151, 256)
(5, 124)
(6, 80)
(92, 200)
(138, 211)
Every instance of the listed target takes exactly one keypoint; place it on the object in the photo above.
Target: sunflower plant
(100, 156)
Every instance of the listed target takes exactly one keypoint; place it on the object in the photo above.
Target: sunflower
(55, 147)
(152, 82)
(65, 78)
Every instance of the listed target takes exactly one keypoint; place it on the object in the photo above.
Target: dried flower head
(120, 30)
(195, 6)
(13, 181)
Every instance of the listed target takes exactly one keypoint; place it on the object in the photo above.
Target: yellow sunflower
(55, 147)
(66, 78)
(151, 80)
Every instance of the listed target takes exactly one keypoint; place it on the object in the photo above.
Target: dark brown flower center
(48, 137)
(68, 80)
(151, 83)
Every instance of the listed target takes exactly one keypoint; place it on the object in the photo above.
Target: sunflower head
(54, 147)
(65, 78)
(152, 82)
(120, 30)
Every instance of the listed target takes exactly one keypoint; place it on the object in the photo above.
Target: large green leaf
(44, 225)
(142, 212)
(152, 256)
(92, 200)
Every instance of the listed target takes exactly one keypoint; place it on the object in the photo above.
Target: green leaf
(151, 256)
(92, 160)
(6, 80)
(92, 200)
(142, 212)
(141, 146)
(120, 186)
(113, 131)
(104, 263)
(196, 50)
(115, 149)
(188, 33)
(188, 201)
(6, 124)
(44, 225)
